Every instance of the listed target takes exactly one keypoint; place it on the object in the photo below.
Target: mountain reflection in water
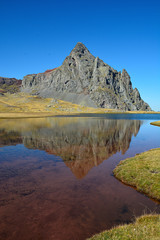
(81, 143)
(40, 197)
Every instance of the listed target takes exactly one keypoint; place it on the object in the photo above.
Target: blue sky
(38, 35)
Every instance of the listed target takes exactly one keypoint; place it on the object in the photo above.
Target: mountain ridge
(11, 85)
(86, 80)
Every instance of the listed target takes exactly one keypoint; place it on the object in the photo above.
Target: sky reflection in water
(55, 183)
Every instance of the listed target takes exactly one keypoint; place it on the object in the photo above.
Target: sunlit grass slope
(145, 228)
(19, 105)
(26, 105)
(142, 172)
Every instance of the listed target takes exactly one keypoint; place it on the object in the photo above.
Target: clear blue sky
(38, 35)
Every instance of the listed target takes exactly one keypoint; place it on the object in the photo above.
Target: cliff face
(11, 85)
(86, 80)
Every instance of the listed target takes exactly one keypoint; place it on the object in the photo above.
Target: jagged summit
(86, 80)
(80, 53)
(80, 49)
(80, 46)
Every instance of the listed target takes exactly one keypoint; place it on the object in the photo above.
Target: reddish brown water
(56, 178)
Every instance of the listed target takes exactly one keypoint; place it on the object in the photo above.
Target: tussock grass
(20, 105)
(146, 227)
(24, 105)
(142, 172)
(157, 123)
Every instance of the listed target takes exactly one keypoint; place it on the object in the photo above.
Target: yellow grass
(157, 123)
(142, 172)
(146, 227)
(22, 105)
(25, 115)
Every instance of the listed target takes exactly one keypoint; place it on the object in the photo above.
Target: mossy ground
(145, 228)
(157, 123)
(142, 172)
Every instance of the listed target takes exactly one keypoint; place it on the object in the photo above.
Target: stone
(11, 85)
(86, 80)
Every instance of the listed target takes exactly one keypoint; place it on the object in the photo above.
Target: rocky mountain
(11, 85)
(86, 80)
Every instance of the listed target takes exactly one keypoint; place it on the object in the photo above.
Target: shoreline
(145, 224)
(143, 166)
(157, 123)
(22, 105)
(144, 227)
(14, 115)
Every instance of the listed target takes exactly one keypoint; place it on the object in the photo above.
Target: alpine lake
(56, 174)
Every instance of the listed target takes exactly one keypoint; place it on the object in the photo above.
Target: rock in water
(86, 80)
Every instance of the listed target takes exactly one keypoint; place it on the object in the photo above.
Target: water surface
(56, 179)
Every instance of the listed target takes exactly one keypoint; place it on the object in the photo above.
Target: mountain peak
(80, 46)
(80, 50)
(86, 80)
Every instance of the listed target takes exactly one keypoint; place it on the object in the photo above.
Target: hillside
(25, 103)
(86, 80)
(11, 85)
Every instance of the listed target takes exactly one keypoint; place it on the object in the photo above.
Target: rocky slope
(11, 85)
(86, 80)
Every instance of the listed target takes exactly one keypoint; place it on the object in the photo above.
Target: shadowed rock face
(86, 80)
(82, 144)
(11, 85)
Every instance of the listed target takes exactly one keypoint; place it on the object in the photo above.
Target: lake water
(56, 179)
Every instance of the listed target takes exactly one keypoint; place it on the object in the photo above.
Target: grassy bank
(20, 105)
(157, 123)
(145, 227)
(25, 115)
(142, 172)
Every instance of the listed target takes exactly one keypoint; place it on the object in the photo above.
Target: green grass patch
(142, 172)
(145, 228)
